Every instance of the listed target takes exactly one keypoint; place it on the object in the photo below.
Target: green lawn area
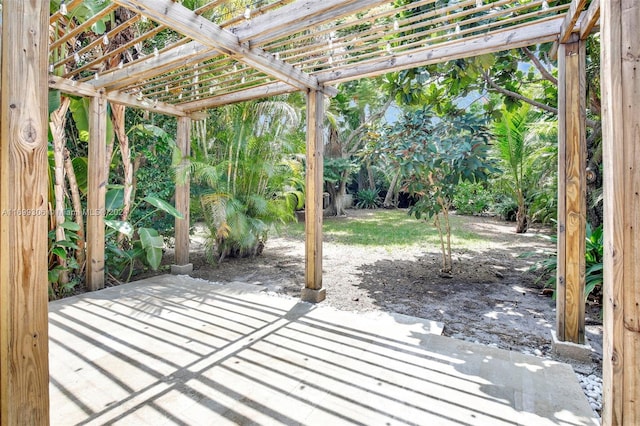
(384, 228)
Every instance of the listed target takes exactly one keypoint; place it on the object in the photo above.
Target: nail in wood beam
(620, 55)
(571, 192)
(313, 291)
(96, 191)
(183, 139)
(24, 367)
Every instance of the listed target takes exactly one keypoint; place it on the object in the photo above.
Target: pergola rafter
(217, 55)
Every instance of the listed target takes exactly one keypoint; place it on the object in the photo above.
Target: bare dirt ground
(492, 297)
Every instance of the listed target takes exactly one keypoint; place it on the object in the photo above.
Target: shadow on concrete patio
(176, 350)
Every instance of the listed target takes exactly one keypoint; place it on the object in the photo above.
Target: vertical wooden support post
(620, 73)
(572, 185)
(182, 265)
(96, 190)
(24, 366)
(313, 291)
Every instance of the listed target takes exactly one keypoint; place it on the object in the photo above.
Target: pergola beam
(512, 38)
(190, 24)
(169, 60)
(271, 89)
(77, 88)
(570, 19)
(298, 16)
(589, 19)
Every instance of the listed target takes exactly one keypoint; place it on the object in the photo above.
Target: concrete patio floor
(176, 350)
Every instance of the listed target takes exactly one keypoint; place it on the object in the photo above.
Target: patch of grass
(384, 228)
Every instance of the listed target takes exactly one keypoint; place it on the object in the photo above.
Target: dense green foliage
(251, 177)
(594, 267)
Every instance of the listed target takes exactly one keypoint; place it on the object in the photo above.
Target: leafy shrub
(593, 263)
(367, 199)
(472, 198)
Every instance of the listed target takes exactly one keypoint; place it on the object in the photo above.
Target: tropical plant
(141, 243)
(514, 149)
(250, 178)
(367, 199)
(594, 262)
(435, 155)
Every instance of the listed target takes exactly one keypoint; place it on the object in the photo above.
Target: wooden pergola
(218, 54)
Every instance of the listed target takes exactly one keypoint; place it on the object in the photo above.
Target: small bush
(367, 199)
(472, 198)
(593, 263)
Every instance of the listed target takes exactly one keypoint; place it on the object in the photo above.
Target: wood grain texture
(183, 196)
(571, 192)
(589, 19)
(96, 190)
(620, 54)
(570, 19)
(630, 78)
(24, 371)
(314, 186)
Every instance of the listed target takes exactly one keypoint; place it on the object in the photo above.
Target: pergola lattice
(219, 54)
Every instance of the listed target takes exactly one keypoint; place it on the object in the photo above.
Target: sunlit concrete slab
(173, 350)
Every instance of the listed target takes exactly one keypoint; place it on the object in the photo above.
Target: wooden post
(96, 190)
(182, 264)
(24, 367)
(313, 291)
(572, 186)
(620, 74)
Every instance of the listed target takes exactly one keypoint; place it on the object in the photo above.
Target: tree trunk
(521, 216)
(77, 206)
(58, 119)
(391, 193)
(118, 120)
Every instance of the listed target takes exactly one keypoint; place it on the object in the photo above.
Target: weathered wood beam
(169, 60)
(620, 50)
(590, 19)
(298, 16)
(190, 24)
(313, 291)
(572, 186)
(570, 19)
(183, 196)
(271, 89)
(511, 38)
(24, 366)
(77, 88)
(96, 191)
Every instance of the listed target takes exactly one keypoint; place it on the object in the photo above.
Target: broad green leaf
(60, 252)
(149, 237)
(81, 169)
(152, 243)
(67, 244)
(71, 226)
(114, 200)
(164, 206)
(120, 226)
